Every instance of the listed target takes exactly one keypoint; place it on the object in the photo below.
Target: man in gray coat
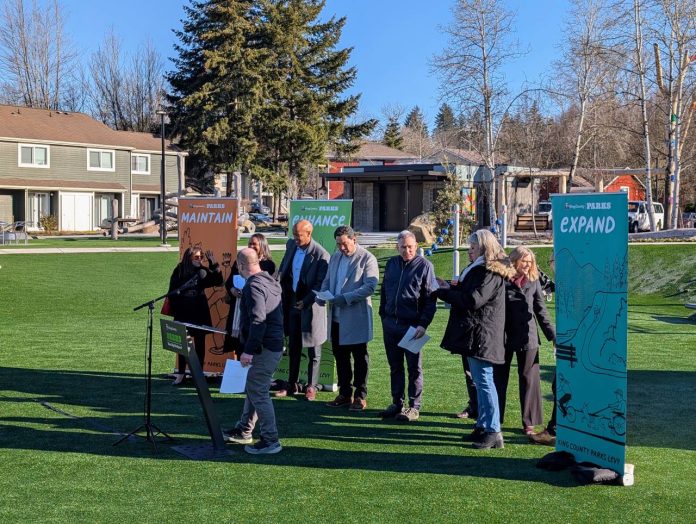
(301, 273)
(352, 279)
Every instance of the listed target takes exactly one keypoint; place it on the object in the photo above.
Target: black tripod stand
(150, 429)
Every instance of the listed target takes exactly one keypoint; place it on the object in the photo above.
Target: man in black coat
(406, 302)
(261, 336)
(301, 273)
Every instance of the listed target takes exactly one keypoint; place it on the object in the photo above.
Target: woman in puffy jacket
(525, 306)
(476, 327)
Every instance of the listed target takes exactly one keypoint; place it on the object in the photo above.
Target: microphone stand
(150, 429)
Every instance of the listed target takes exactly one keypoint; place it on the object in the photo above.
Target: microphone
(192, 281)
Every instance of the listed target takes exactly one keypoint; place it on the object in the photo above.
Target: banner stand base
(202, 452)
(628, 478)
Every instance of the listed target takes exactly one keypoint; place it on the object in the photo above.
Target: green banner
(325, 216)
(327, 368)
(591, 252)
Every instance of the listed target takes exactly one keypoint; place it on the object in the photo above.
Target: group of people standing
(495, 305)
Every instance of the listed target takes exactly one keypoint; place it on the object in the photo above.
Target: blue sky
(393, 40)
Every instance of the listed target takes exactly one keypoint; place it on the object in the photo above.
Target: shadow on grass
(94, 409)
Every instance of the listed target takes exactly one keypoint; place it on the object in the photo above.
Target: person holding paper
(352, 279)
(262, 346)
(476, 327)
(188, 300)
(406, 301)
(301, 273)
(258, 243)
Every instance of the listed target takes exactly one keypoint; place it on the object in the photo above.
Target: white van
(638, 219)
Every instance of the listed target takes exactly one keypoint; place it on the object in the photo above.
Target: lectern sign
(174, 336)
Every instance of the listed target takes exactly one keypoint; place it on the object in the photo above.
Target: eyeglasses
(197, 257)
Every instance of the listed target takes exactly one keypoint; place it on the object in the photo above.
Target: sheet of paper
(238, 281)
(414, 345)
(234, 377)
(326, 296)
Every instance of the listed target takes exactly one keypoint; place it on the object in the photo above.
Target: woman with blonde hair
(524, 306)
(475, 327)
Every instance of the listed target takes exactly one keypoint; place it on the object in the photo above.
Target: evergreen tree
(416, 122)
(218, 83)
(305, 113)
(445, 120)
(392, 134)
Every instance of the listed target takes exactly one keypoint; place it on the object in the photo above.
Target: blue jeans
(488, 410)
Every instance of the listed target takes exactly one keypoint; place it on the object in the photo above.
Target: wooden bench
(691, 306)
(526, 222)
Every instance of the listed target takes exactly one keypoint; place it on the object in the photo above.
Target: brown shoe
(359, 404)
(311, 393)
(544, 438)
(340, 401)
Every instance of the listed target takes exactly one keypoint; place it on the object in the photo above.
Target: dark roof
(375, 151)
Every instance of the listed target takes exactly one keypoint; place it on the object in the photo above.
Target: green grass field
(73, 357)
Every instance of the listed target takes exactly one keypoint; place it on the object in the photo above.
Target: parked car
(258, 207)
(260, 218)
(545, 209)
(638, 219)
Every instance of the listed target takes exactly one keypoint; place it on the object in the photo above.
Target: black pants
(344, 369)
(295, 353)
(470, 386)
(529, 385)
(199, 345)
(414, 365)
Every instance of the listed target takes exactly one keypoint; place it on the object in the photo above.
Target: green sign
(327, 368)
(591, 252)
(325, 216)
(174, 336)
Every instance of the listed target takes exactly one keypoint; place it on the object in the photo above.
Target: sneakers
(340, 401)
(391, 411)
(311, 393)
(474, 435)
(235, 436)
(489, 440)
(359, 404)
(544, 438)
(408, 415)
(264, 448)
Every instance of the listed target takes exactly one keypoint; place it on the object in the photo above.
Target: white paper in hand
(238, 281)
(234, 377)
(326, 296)
(414, 345)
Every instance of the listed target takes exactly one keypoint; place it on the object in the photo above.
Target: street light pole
(163, 216)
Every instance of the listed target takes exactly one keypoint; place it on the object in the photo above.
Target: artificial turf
(71, 381)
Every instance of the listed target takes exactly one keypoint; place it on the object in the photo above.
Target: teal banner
(591, 252)
(325, 216)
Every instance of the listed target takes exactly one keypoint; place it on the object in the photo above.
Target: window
(100, 160)
(140, 164)
(30, 155)
(624, 189)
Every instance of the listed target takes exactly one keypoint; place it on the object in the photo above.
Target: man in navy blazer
(301, 273)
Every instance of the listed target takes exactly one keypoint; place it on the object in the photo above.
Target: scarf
(480, 261)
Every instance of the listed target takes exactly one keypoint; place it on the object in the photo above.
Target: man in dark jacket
(261, 329)
(406, 302)
(301, 273)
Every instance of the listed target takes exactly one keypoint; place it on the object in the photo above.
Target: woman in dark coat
(258, 243)
(476, 327)
(524, 307)
(190, 305)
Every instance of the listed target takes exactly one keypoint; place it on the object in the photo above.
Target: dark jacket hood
(501, 267)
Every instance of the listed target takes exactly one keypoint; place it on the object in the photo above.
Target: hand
(246, 359)
(420, 331)
(299, 305)
(236, 293)
(319, 302)
(442, 283)
(211, 257)
(454, 282)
